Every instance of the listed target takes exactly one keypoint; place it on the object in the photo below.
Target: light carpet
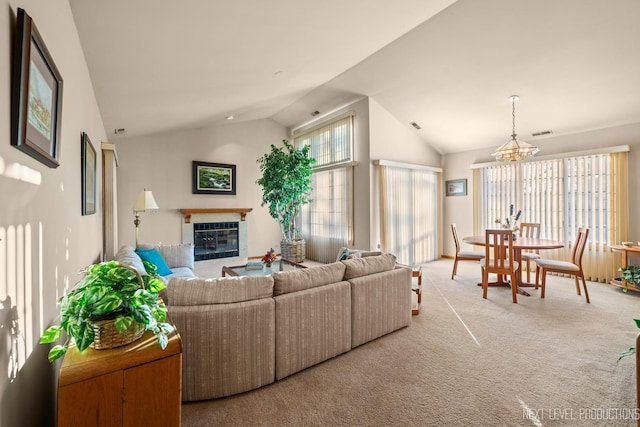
(465, 361)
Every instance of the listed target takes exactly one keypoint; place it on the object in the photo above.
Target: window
(562, 195)
(409, 212)
(327, 221)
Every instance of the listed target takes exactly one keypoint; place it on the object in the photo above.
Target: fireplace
(213, 240)
(216, 233)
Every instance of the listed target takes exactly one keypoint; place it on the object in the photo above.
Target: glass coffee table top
(241, 270)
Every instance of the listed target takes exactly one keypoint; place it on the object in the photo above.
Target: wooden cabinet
(133, 385)
(626, 252)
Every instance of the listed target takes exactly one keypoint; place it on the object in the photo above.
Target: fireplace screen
(214, 240)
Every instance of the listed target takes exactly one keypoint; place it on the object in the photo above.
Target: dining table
(520, 243)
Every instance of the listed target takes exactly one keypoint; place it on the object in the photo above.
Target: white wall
(45, 238)
(459, 209)
(162, 163)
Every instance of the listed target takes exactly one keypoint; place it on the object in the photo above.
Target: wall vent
(544, 132)
(415, 125)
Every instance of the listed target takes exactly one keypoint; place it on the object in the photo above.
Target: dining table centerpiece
(511, 221)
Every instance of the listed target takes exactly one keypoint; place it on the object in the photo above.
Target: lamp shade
(145, 201)
(514, 150)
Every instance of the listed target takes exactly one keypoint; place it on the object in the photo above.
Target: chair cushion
(557, 265)
(530, 255)
(471, 254)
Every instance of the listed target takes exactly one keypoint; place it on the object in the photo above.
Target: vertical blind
(327, 221)
(562, 195)
(409, 214)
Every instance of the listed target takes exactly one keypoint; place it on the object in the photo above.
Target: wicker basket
(294, 250)
(106, 334)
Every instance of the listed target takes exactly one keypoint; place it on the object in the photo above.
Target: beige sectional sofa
(241, 333)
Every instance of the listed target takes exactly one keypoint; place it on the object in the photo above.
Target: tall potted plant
(286, 187)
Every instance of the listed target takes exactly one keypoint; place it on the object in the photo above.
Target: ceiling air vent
(119, 131)
(315, 113)
(544, 132)
(415, 125)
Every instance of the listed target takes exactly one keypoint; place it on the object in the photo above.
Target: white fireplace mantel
(188, 212)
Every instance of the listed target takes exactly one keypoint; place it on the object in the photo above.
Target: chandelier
(514, 150)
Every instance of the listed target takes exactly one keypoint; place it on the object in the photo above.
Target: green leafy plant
(109, 290)
(286, 184)
(630, 275)
(631, 350)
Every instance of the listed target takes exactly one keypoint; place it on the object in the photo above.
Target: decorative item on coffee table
(268, 259)
(111, 306)
(286, 187)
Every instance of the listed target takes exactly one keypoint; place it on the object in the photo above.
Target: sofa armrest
(380, 303)
(226, 348)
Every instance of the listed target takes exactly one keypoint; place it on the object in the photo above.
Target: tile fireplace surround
(200, 215)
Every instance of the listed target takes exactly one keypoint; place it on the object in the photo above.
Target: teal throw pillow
(153, 256)
(343, 254)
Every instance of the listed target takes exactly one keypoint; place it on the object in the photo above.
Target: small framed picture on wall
(456, 187)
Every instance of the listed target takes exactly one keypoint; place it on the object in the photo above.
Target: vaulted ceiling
(448, 65)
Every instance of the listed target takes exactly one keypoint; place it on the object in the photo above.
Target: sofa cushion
(357, 267)
(362, 254)
(127, 256)
(175, 255)
(306, 278)
(153, 256)
(222, 290)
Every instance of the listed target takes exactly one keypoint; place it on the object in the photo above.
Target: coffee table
(241, 270)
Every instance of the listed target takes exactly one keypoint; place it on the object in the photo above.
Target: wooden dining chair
(463, 255)
(530, 229)
(499, 259)
(573, 268)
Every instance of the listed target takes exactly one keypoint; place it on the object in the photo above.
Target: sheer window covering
(327, 221)
(562, 195)
(409, 213)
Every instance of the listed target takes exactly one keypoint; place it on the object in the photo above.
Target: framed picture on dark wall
(88, 162)
(213, 178)
(36, 100)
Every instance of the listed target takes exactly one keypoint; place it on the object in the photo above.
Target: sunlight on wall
(17, 323)
(20, 172)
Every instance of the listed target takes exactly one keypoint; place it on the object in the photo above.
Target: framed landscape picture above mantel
(213, 178)
(457, 187)
(36, 99)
